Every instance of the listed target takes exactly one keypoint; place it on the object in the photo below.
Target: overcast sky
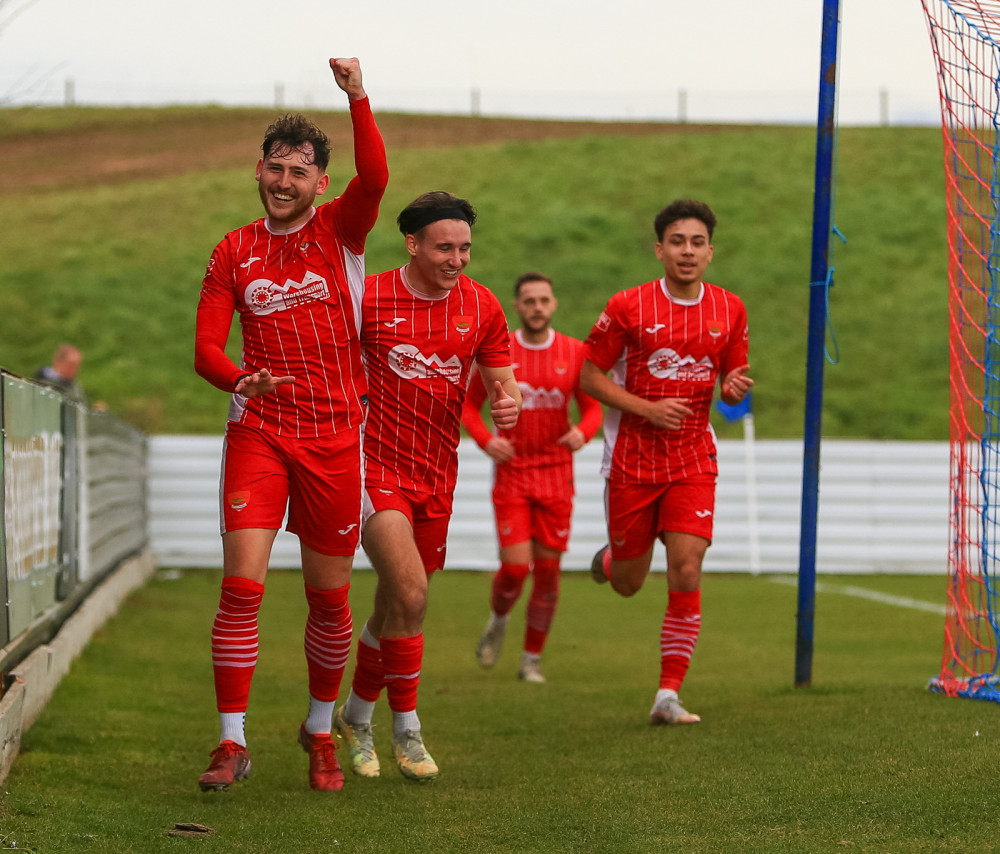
(713, 60)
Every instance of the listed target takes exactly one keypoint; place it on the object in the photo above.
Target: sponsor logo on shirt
(392, 324)
(652, 330)
(262, 296)
(541, 398)
(409, 363)
(246, 264)
(666, 364)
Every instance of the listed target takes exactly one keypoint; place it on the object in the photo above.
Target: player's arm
(347, 73)
(734, 383)
(212, 363)
(360, 200)
(590, 421)
(667, 414)
(216, 306)
(496, 447)
(215, 316)
(505, 396)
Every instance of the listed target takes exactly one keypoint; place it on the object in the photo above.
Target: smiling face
(438, 254)
(288, 181)
(685, 251)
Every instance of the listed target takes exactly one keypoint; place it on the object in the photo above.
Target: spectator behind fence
(61, 374)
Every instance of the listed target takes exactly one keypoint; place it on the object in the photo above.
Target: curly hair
(291, 132)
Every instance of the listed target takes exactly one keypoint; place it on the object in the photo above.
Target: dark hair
(684, 209)
(430, 207)
(291, 132)
(528, 277)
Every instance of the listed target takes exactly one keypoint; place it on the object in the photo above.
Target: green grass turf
(114, 263)
(864, 760)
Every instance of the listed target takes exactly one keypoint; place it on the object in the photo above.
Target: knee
(625, 586)
(411, 603)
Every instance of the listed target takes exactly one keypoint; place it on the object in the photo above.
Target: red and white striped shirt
(658, 347)
(548, 375)
(419, 352)
(298, 296)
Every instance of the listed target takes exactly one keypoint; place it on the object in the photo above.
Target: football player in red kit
(295, 278)
(426, 326)
(533, 478)
(667, 343)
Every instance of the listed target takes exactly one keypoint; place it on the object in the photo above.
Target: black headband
(417, 218)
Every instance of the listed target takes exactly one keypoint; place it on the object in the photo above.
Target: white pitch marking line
(862, 593)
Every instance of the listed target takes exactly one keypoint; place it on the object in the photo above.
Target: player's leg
(328, 533)
(689, 507)
(551, 518)
(513, 527)
(253, 496)
(327, 647)
(541, 609)
(633, 522)
(388, 538)
(353, 721)
(234, 650)
(508, 581)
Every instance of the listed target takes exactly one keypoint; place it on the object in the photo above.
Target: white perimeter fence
(883, 508)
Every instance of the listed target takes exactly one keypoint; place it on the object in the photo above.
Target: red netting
(964, 37)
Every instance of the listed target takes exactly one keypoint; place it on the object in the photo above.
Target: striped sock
(234, 642)
(327, 641)
(541, 604)
(678, 636)
(507, 585)
(369, 676)
(401, 658)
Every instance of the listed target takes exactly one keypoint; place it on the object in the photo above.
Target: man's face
(438, 254)
(685, 251)
(535, 305)
(68, 366)
(289, 181)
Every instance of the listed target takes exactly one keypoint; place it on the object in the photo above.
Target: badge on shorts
(238, 500)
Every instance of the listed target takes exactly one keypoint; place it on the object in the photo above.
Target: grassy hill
(111, 215)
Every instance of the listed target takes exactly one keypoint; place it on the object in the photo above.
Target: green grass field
(109, 251)
(865, 760)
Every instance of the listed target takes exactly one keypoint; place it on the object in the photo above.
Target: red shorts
(639, 512)
(529, 505)
(318, 481)
(428, 513)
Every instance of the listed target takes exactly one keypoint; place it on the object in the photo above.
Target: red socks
(327, 640)
(678, 635)
(234, 642)
(507, 585)
(369, 676)
(541, 604)
(401, 660)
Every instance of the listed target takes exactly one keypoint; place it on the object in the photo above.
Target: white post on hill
(743, 412)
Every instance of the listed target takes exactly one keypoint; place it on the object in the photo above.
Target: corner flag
(736, 412)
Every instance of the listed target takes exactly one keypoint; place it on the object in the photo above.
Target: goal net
(965, 38)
